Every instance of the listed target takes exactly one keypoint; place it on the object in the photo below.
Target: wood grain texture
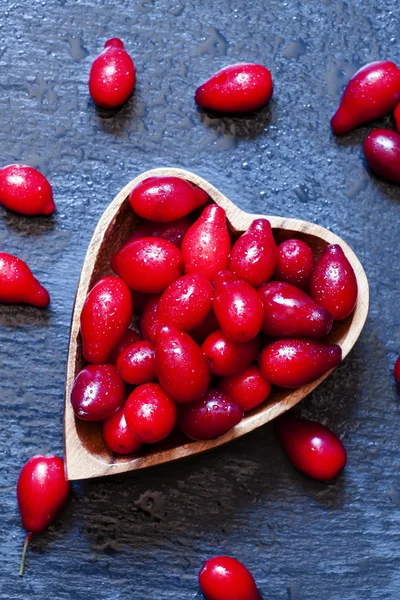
(86, 454)
(145, 535)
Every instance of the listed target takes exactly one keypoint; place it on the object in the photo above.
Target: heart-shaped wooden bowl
(85, 453)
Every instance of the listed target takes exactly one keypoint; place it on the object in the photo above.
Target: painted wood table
(145, 535)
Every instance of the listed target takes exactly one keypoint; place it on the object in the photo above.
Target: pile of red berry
(202, 322)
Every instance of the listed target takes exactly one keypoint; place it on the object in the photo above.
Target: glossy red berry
(130, 337)
(225, 578)
(226, 357)
(148, 265)
(42, 491)
(224, 276)
(382, 152)
(150, 413)
(97, 393)
(236, 88)
(117, 435)
(173, 231)
(210, 417)
(115, 42)
(112, 76)
(295, 362)
(290, 312)
(239, 310)
(206, 245)
(18, 285)
(180, 365)
(248, 389)
(295, 263)
(311, 447)
(165, 199)
(148, 321)
(186, 303)
(397, 371)
(24, 190)
(136, 364)
(333, 283)
(370, 94)
(105, 317)
(253, 256)
(397, 117)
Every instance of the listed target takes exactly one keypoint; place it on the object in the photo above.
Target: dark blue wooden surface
(145, 536)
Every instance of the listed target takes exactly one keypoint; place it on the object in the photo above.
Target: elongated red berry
(148, 322)
(290, 312)
(334, 284)
(206, 245)
(295, 263)
(98, 392)
(186, 303)
(130, 337)
(236, 88)
(382, 152)
(112, 76)
(148, 264)
(311, 447)
(224, 276)
(254, 254)
(166, 199)
(105, 317)
(226, 357)
(25, 190)
(18, 285)
(42, 491)
(248, 389)
(150, 413)
(117, 435)
(173, 231)
(136, 364)
(210, 417)
(225, 578)
(295, 362)
(180, 365)
(397, 371)
(239, 310)
(370, 94)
